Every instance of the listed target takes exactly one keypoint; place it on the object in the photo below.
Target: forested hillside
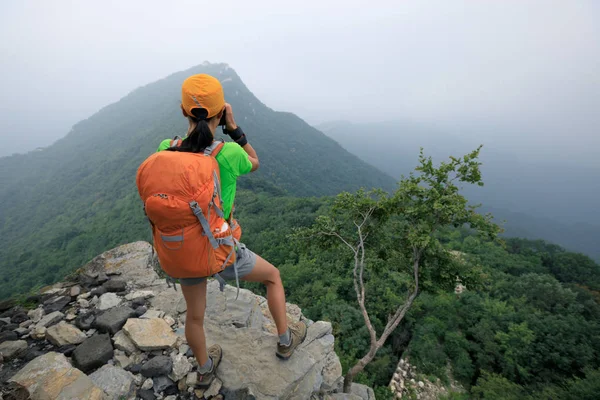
(63, 205)
(529, 328)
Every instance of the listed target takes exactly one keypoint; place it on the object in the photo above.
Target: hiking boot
(297, 336)
(205, 380)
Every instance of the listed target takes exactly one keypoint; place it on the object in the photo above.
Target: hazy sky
(522, 74)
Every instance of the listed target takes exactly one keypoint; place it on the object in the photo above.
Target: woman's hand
(230, 124)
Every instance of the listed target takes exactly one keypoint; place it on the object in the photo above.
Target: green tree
(406, 224)
(496, 387)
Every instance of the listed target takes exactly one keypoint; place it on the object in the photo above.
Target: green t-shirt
(233, 162)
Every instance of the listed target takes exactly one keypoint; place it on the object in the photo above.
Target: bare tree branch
(359, 286)
(341, 238)
(359, 267)
(365, 216)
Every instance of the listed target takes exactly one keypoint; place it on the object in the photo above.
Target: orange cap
(202, 91)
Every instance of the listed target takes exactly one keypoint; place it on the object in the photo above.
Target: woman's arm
(251, 156)
(240, 138)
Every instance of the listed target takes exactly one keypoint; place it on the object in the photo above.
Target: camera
(222, 122)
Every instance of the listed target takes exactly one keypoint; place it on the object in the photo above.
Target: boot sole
(205, 385)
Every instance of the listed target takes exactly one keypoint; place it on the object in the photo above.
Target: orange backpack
(235, 226)
(182, 199)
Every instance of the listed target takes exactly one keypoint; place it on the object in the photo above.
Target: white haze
(522, 75)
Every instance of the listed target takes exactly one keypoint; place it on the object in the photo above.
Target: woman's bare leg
(267, 274)
(195, 298)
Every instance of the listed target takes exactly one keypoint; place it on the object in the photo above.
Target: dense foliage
(526, 327)
(424, 203)
(61, 206)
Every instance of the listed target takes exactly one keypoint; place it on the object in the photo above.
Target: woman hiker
(203, 104)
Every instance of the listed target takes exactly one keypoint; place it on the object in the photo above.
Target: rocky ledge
(115, 330)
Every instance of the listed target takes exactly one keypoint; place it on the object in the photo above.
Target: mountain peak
(83, 185)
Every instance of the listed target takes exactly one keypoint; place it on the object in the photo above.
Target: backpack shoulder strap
(176, 141)
(214, 148)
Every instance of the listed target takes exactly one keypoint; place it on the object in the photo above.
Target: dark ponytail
(199, 139)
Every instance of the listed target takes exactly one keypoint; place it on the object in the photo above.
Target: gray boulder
(85, 321)
(75, 291)
(112, 321)
(146, 394)
(11, 349)
(51, 376)
(57, 304)
(122, 342)
(362, 391)
(93, 353)
(162, 383)
(150, 334)
(36, 315)
(115, 285)
(8, 336)
(63, 334)
(108, 300)
(159, 365)
(181, 367)
(342, 396)
(50, 319)
(116, 382)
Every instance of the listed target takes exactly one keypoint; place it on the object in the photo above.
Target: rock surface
(36, 315)
(108, 300)
(64, 333)
(93, 353)
(146, 323)
(75, 291)
(115, 285)
(162, 383)
(38, 332)
(116, 382)
(57, 304)
(150, 334)
(140, 294)
(122, 342)
(181, 367)
(10, 349)
(362, 391)
(158, 366)
(50, 319)
(113, 320)
(407, 382)
(52, 377)
(85, 320)
(8, 336)
(342, 396)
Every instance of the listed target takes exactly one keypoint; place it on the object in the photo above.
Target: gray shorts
(245, 262)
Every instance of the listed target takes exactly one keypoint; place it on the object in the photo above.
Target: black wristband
(243, 140)
(235, 134)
